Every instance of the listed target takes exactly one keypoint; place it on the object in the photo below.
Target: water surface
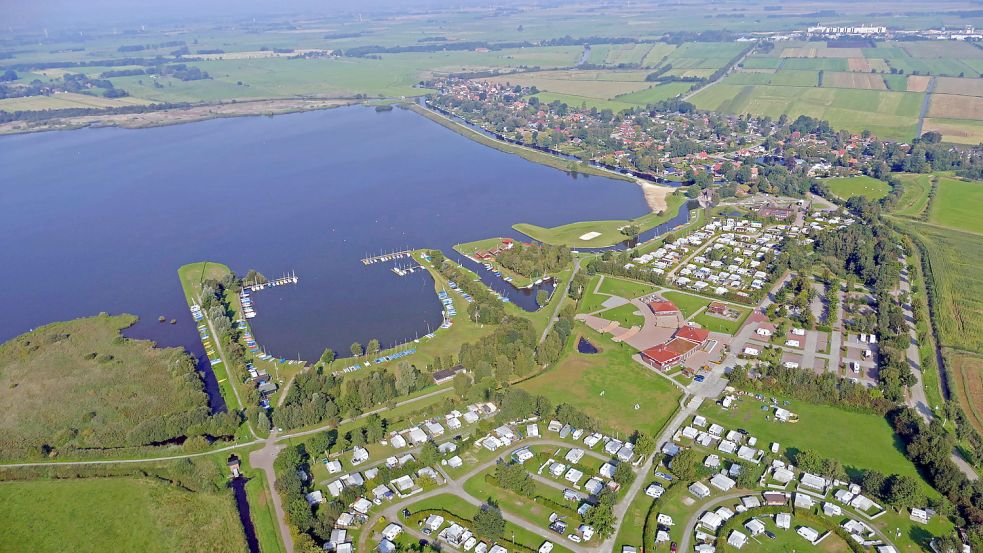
(100, 219)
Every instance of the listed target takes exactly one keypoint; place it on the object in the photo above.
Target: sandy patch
(590, 235)
(655, 195)
(918, 83)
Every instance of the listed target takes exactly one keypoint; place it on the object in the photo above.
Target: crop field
(950, 106)
(584, 101)
(956, 259)
(608, 385)
(820, 52)
(947, 49)
(792, 77)
(916, 83)
(859, 441)
(956, 131)
(957, 204)
(862, 185)
(626, 54)
(816, 64)
(761, 62)
(966, 372)
(864, 81)
(603, 85)
(657, 53)
(115, 514)
(962, 87)
(915, 198)
(889, 115)
(655, 94)
(67, 100)
(705, 55)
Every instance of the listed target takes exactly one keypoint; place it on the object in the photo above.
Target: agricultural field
(603, 85)
(658, 52)
(67, 100)
(112, 391)
(704, 55)
(961, 87)
(655, 94)
(862, 185)
(863, 81)
(627, 54)
(584, 101)
(956, 204)
(115, 514)
(608, 385)
(889, 115)
(859, 441)
(966, 372)
(956, 131)
(952, 106)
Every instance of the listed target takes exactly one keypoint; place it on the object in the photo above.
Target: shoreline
(177, 116)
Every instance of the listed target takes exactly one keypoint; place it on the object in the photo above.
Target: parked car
(574, 538)
(673, 547)
(699, 378)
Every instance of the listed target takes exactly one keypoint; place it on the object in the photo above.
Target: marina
(391, 256)
(246, 300)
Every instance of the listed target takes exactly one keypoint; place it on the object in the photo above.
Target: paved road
(694, 519)
(262, 459)
(556, 310)
(455, 486)
(926, 102)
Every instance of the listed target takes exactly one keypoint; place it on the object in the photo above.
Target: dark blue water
(100, 219)
(583, 346)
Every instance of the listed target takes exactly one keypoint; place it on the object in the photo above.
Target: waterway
(100, 219)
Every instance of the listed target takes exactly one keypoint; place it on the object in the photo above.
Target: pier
(286, 279)
(381, 258)
(408, 270)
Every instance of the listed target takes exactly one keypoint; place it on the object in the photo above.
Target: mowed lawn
(607, 386)
(860, 185)
(625, 315)
(627, 289)
(859, 441)
(115, 514)
(686, 303)
(957, 204)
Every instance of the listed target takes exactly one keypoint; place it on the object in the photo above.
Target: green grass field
(510, 502)
(625, 315)
(624, 288)
(115, 514)
(584, 101)
(569, 235)
(861, 185)
(718, 324)
(607, 386)
(655, 94)
(686, 303)
(859, 441)
(914, 200)
(957, 205)
(889, 115)
(110, 392)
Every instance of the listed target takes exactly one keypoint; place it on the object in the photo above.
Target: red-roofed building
(687, 341)
(663, 307)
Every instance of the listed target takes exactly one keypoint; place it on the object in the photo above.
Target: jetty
(280, 281)
(381, 258)
(406, 270)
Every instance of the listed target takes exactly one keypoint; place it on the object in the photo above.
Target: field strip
(926, 102)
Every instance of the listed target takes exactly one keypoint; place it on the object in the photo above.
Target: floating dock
(281, 281)
(403, 254)
(403, 271)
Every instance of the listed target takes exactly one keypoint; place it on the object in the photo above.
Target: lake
(100, 219)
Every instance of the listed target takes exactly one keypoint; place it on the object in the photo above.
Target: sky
(89, 12)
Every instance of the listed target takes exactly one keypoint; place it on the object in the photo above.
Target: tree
(374, 428)
(514, 477)
(356, 349)
(645, 445)
(373, 347)
(488, 523)
(462, 384)
(429, 454)
(542, 297)
(623, 474)
(902, 491)
(686, 464)
(263, 423)
(328, 356)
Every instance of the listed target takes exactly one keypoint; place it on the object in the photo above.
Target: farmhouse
(686, 341)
